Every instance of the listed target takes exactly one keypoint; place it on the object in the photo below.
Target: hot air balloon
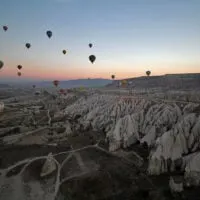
(68, 90)
(62, 91)
(90, 45)
(5, 28)
(37, 93)
(148, 73)
(92, 58)
(64, 51)
(124, 83)
(81, 88)
(19, 67)
(19, 73)
(56, 82)
(28, 45)
(113, 77)
(1, 64)
(49, 34)
(33, 86)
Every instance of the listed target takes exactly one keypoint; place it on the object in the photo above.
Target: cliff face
(170, 129)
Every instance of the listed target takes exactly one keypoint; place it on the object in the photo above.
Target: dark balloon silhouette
(113, 77)
(5, 28)
(1, 64)
(49, 34)
(19, 73)
(33, 86)
(64, 51)
(56, 82)
(62, 91)
(92, 58)
(28, 45)
(148, 73)
(90, 45)
(19, 67)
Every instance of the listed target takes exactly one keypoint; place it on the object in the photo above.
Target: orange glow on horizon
(93, 71)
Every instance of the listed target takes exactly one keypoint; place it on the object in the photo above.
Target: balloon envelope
(1, 64)
(62, 91)
(5, 28)
(19, 67)
(28, 45)
(81, 88)
(90, 45)
(124, 82)
(19, 73)
(56, 82)
(92, 58)
(148, 73)
(64, 51)
(113, 76)
(49, 34)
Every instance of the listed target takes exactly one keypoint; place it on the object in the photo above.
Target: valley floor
(54, 149)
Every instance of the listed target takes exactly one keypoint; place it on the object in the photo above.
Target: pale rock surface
(175, 185)
(192, 170)
(175, 143)
(190, 107)
(49, 166)
(173, 130)
(1, 106)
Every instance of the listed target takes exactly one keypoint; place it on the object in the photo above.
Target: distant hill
(63, 83)
(78, 83)
(2, 85)
(169, 81)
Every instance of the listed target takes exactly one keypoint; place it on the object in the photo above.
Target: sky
(129, 37)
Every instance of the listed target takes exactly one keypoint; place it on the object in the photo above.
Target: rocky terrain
(100, 144)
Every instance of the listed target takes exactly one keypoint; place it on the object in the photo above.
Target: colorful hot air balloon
(1, 64)
(5, 28)
(56, 82)
(124, 83)
(90, 45)
(49, 34)
(28, 45)
(148, 73)
(19, 67)
(81, 88)
(113, 77)
(64, 51)
(68, 90)
(92, 58)
(19, 73)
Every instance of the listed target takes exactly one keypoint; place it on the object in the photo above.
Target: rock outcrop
(171, 130)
